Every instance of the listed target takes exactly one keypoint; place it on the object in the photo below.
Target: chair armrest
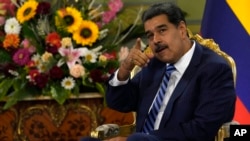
(107, 131)
(224, 131)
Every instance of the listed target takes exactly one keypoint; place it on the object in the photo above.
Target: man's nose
(156, 39)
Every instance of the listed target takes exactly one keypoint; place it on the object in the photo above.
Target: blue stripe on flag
(220, 23)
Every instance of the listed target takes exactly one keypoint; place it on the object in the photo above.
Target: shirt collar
(182, 64)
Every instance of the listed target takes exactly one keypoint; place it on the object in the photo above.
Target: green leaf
(5, 56)
(85, 81)
(30, 34)
(76, 90)
(101, 89)
(10, 102)
(19, 83)
(59, 94)
(5, 85)
(15, 96)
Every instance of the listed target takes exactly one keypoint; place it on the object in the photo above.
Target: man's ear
(183, 28)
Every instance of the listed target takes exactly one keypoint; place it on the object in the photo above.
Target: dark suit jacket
(202, 101)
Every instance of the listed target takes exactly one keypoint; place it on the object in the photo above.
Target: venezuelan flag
(228, 23)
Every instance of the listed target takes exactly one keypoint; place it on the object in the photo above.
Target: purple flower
(21, 57)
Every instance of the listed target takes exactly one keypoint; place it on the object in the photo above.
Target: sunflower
(87, 34)
(27, 11)
(70, 18)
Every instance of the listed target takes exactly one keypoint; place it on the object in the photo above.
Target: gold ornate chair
(108, 131)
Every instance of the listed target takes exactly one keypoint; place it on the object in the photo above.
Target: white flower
(37, 59)
(12, 26)
(42, 67)
(68, 83)
(90, 56)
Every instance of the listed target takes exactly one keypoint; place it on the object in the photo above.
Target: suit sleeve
(123, 98)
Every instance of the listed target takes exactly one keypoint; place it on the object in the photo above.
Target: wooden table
(43, 119)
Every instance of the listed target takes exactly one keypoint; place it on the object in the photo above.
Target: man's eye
(162, 30)
(149, 36)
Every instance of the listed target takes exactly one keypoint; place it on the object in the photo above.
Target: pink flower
(72, 55)
(77, 70)
(2, 20)
(26, 44)
(115, 5)
(7, 7)
(110, 55)
(21, 57)
(108, 16)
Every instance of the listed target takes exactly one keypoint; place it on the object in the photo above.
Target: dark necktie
(150, 121)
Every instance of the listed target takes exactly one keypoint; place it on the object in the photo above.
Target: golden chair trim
(210, 43)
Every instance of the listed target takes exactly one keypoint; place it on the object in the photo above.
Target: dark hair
(174, 14)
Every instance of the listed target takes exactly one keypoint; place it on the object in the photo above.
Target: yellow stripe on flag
(241, 9)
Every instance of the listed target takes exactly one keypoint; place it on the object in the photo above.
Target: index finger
(138, 44)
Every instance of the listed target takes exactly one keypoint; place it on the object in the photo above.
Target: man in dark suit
(200, 94)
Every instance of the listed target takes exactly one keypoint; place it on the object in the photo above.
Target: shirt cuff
(115, 82)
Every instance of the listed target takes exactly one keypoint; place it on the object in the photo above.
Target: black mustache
(160, 47)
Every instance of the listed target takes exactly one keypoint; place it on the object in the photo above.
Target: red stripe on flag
(241, 113)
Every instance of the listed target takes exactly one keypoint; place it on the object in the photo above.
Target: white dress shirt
(176, 75)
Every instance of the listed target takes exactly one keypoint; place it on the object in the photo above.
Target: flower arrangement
(57, 48)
